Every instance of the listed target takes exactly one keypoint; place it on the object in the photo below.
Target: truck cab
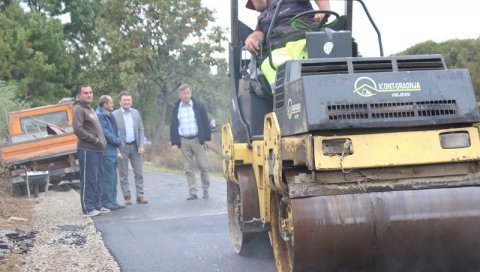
(40, 122)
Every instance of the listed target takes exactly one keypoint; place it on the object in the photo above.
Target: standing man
(109, 158)
(190, 131)
(90, 146)
(130, 126)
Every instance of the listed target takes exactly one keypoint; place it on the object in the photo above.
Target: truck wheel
(35, 190)
(19, 189)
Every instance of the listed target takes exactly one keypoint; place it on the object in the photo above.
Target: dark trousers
(90, 179)
(109, 182)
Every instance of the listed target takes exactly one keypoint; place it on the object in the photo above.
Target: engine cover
(350, 93)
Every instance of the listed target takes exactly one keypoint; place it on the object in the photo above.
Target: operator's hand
(322, 5)
(175, 148)
(319, 17)
(253, 42)
(252, 45)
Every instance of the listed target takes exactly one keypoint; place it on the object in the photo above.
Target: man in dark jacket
(90, 146)
(109, 158)
(190, 131)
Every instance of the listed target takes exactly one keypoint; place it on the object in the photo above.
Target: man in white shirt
(130, 127)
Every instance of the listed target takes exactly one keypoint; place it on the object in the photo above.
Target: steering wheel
(297, 24)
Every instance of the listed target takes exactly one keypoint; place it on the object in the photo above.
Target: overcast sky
(402, 23)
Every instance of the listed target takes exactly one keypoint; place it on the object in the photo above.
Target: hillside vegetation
(457, 54)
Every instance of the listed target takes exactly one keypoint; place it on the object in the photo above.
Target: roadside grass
(177, 171)
(171, 162)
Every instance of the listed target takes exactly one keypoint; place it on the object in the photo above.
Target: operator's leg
(279, 56)
(292, 50)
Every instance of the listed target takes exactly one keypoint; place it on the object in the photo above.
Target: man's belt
(189, 137)
(134, 142)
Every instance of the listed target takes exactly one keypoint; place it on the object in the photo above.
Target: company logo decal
(327, 48)
(367, 87)
(293, 109)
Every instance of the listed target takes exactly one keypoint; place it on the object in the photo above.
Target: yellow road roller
(349, 163)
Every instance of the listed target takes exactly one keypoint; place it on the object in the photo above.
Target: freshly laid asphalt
(173, 234)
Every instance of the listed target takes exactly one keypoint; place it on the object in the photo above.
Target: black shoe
(205, 194)
(117, 206)
(192, 197)
(142, 200)
(110, 207)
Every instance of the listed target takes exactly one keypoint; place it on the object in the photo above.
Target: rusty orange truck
(41, 147)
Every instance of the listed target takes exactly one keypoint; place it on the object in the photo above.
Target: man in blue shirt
(109, 158)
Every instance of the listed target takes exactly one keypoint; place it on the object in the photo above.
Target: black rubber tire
(244, 244)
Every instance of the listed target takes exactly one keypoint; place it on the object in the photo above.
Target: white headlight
(458, 139)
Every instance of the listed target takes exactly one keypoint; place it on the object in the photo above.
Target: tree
(149, 47)
(456, 53)
(33, 53)
(80, 36)
(9, 102)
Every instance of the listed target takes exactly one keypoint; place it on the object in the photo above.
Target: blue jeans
(109, 182)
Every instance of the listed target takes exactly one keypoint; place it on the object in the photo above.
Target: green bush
(8, 102)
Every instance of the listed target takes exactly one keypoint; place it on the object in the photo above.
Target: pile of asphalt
(16, 241)
(65, 240)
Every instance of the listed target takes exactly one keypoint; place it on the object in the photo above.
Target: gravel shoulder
(64, 239)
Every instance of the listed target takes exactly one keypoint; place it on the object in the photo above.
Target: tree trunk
(159, 133)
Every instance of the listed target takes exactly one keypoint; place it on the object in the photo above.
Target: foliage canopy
(148, 47)
(457, 54)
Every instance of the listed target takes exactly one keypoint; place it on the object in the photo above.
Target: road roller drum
(417, 230)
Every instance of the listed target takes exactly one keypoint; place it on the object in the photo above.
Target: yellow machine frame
(372, 150)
